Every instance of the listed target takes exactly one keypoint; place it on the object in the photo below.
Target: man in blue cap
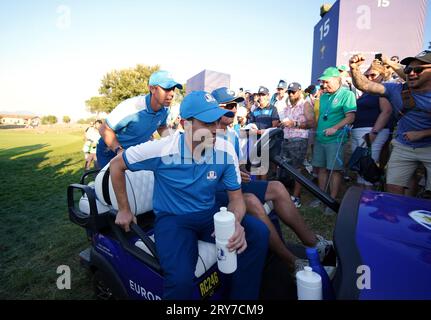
(135, 120)
(187, 170)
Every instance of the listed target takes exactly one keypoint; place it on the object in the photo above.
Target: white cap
(308, 278)
(224, 224)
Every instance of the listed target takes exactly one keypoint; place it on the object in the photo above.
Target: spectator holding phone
(411, 104)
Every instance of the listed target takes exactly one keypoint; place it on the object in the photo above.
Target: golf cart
(382, 242)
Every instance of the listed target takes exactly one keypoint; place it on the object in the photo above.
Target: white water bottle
(309, 285)
(224, 226)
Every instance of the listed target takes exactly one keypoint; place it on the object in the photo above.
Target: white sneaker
(296, 201)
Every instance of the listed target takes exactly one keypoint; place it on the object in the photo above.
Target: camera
(378, 56)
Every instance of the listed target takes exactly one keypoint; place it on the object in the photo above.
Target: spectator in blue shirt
(264, 116)
(135, 120)
(411, 104)
(187, 171)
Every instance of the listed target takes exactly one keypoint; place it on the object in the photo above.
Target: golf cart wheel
(102, 289)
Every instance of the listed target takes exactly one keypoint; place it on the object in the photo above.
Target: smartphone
(378, 56)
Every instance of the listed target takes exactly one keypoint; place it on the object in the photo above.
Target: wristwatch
(118, 149)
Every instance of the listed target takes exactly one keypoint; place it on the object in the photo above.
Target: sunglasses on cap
(417, 70)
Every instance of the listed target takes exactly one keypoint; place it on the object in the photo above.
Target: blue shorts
(258, 188)
(328, 155)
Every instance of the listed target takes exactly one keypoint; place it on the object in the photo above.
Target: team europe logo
(212, 175)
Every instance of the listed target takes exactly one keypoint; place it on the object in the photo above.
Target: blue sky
(53, 54)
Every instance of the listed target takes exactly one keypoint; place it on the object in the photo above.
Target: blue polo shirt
(134, 121)
(417, 119)
(263, 117)
(182, 185)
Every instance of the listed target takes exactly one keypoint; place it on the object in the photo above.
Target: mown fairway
(35, 234)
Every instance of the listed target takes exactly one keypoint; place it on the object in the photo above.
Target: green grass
(36, 235)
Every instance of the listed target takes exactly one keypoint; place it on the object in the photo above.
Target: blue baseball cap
(224, 95)
(163, 79)
(202, 106)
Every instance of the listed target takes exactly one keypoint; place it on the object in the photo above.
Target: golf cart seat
(140, 187)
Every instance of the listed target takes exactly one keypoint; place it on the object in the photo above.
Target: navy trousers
(177, 246)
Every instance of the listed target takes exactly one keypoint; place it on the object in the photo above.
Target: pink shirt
(295, 113)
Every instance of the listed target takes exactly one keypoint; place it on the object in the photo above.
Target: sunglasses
(417, 70)
(229, 106)
(292, 92)
(372, 75)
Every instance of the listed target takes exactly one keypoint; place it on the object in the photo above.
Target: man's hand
(356, 61)
(124, 219)
(330, 131)
(372, 136)
(237, 241)
(245, 177)
(386, 60)
(414, 135)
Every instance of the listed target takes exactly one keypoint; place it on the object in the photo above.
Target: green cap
(329, 73)
(343, 68)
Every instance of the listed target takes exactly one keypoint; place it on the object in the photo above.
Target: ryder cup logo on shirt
(211, 175)
(335, 100)
(209, 98)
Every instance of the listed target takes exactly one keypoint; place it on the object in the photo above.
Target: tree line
(119, 85)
